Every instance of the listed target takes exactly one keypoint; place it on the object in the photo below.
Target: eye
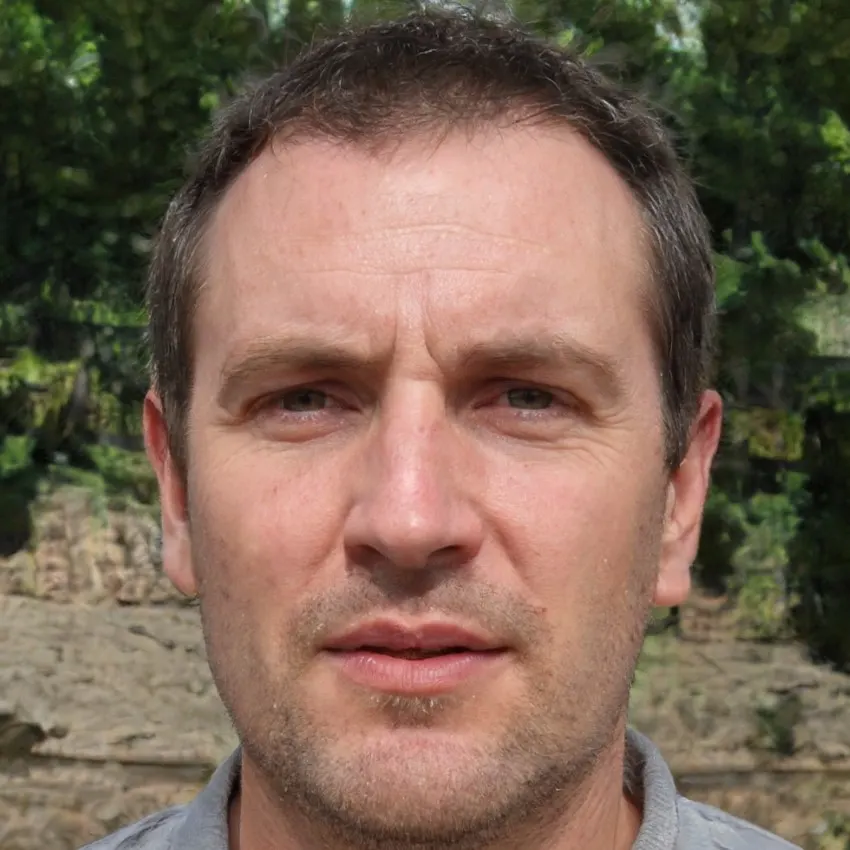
(529, 398)
(303, 400)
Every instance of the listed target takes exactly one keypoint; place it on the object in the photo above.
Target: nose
(414, 509)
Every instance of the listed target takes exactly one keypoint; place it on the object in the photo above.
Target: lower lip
(438, 674)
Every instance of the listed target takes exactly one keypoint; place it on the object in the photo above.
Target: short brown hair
(434, 72)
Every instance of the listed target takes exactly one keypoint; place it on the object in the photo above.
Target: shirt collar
(649, 780)
(205, 825)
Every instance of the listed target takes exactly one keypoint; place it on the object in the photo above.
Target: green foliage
(724, 530)
(767, 432)
(819, 567)
(125, 473)
(762, 608)
(758, 557)
(826, 317)
(776, 721)
(834, 834)
(101, 104)
(16, 455)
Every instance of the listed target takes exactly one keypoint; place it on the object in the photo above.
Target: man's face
(426, 421)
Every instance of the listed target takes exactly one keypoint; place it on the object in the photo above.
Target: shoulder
(699, 823)
(151, 833)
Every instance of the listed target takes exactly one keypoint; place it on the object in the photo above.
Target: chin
(410, 776)
(407, 787)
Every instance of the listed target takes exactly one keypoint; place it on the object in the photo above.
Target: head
(431, 324)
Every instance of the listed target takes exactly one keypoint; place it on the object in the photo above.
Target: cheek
(575, 533)
(267, 525)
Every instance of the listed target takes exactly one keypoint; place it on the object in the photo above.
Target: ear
(176, 548)
(686, 495)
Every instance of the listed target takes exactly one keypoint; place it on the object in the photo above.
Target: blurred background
(106, 709)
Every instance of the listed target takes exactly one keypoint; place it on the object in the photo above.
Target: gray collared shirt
(670, 821)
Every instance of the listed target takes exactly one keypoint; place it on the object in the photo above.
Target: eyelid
(503, 386)
(342, 396)
(269, 400)
(331, 398)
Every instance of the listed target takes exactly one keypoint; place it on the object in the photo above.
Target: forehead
(525, 225)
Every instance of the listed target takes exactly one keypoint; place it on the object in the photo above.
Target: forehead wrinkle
(389, 251)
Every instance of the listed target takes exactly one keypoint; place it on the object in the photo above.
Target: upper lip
(397, 637)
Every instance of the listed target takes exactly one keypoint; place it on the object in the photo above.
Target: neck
(600, 816)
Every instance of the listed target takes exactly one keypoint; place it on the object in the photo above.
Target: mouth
(414, 654)
(429, 659)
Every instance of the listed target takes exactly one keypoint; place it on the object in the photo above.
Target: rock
(833, 751)
(18, 735)
(82, 552)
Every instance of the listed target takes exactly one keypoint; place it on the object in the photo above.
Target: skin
(425, 385)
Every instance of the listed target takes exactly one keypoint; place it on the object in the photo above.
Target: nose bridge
(413, 507)
(411, 482)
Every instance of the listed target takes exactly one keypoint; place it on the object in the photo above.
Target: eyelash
(557, 400)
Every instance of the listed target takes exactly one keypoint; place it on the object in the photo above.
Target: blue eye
(529, 398)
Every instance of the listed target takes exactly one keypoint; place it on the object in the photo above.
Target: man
(431, 326)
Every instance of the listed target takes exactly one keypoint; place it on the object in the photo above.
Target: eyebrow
(268, 356)
(560, 351)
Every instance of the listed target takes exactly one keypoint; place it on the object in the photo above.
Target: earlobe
(176, 548)
(672, 587)
(673, 583)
